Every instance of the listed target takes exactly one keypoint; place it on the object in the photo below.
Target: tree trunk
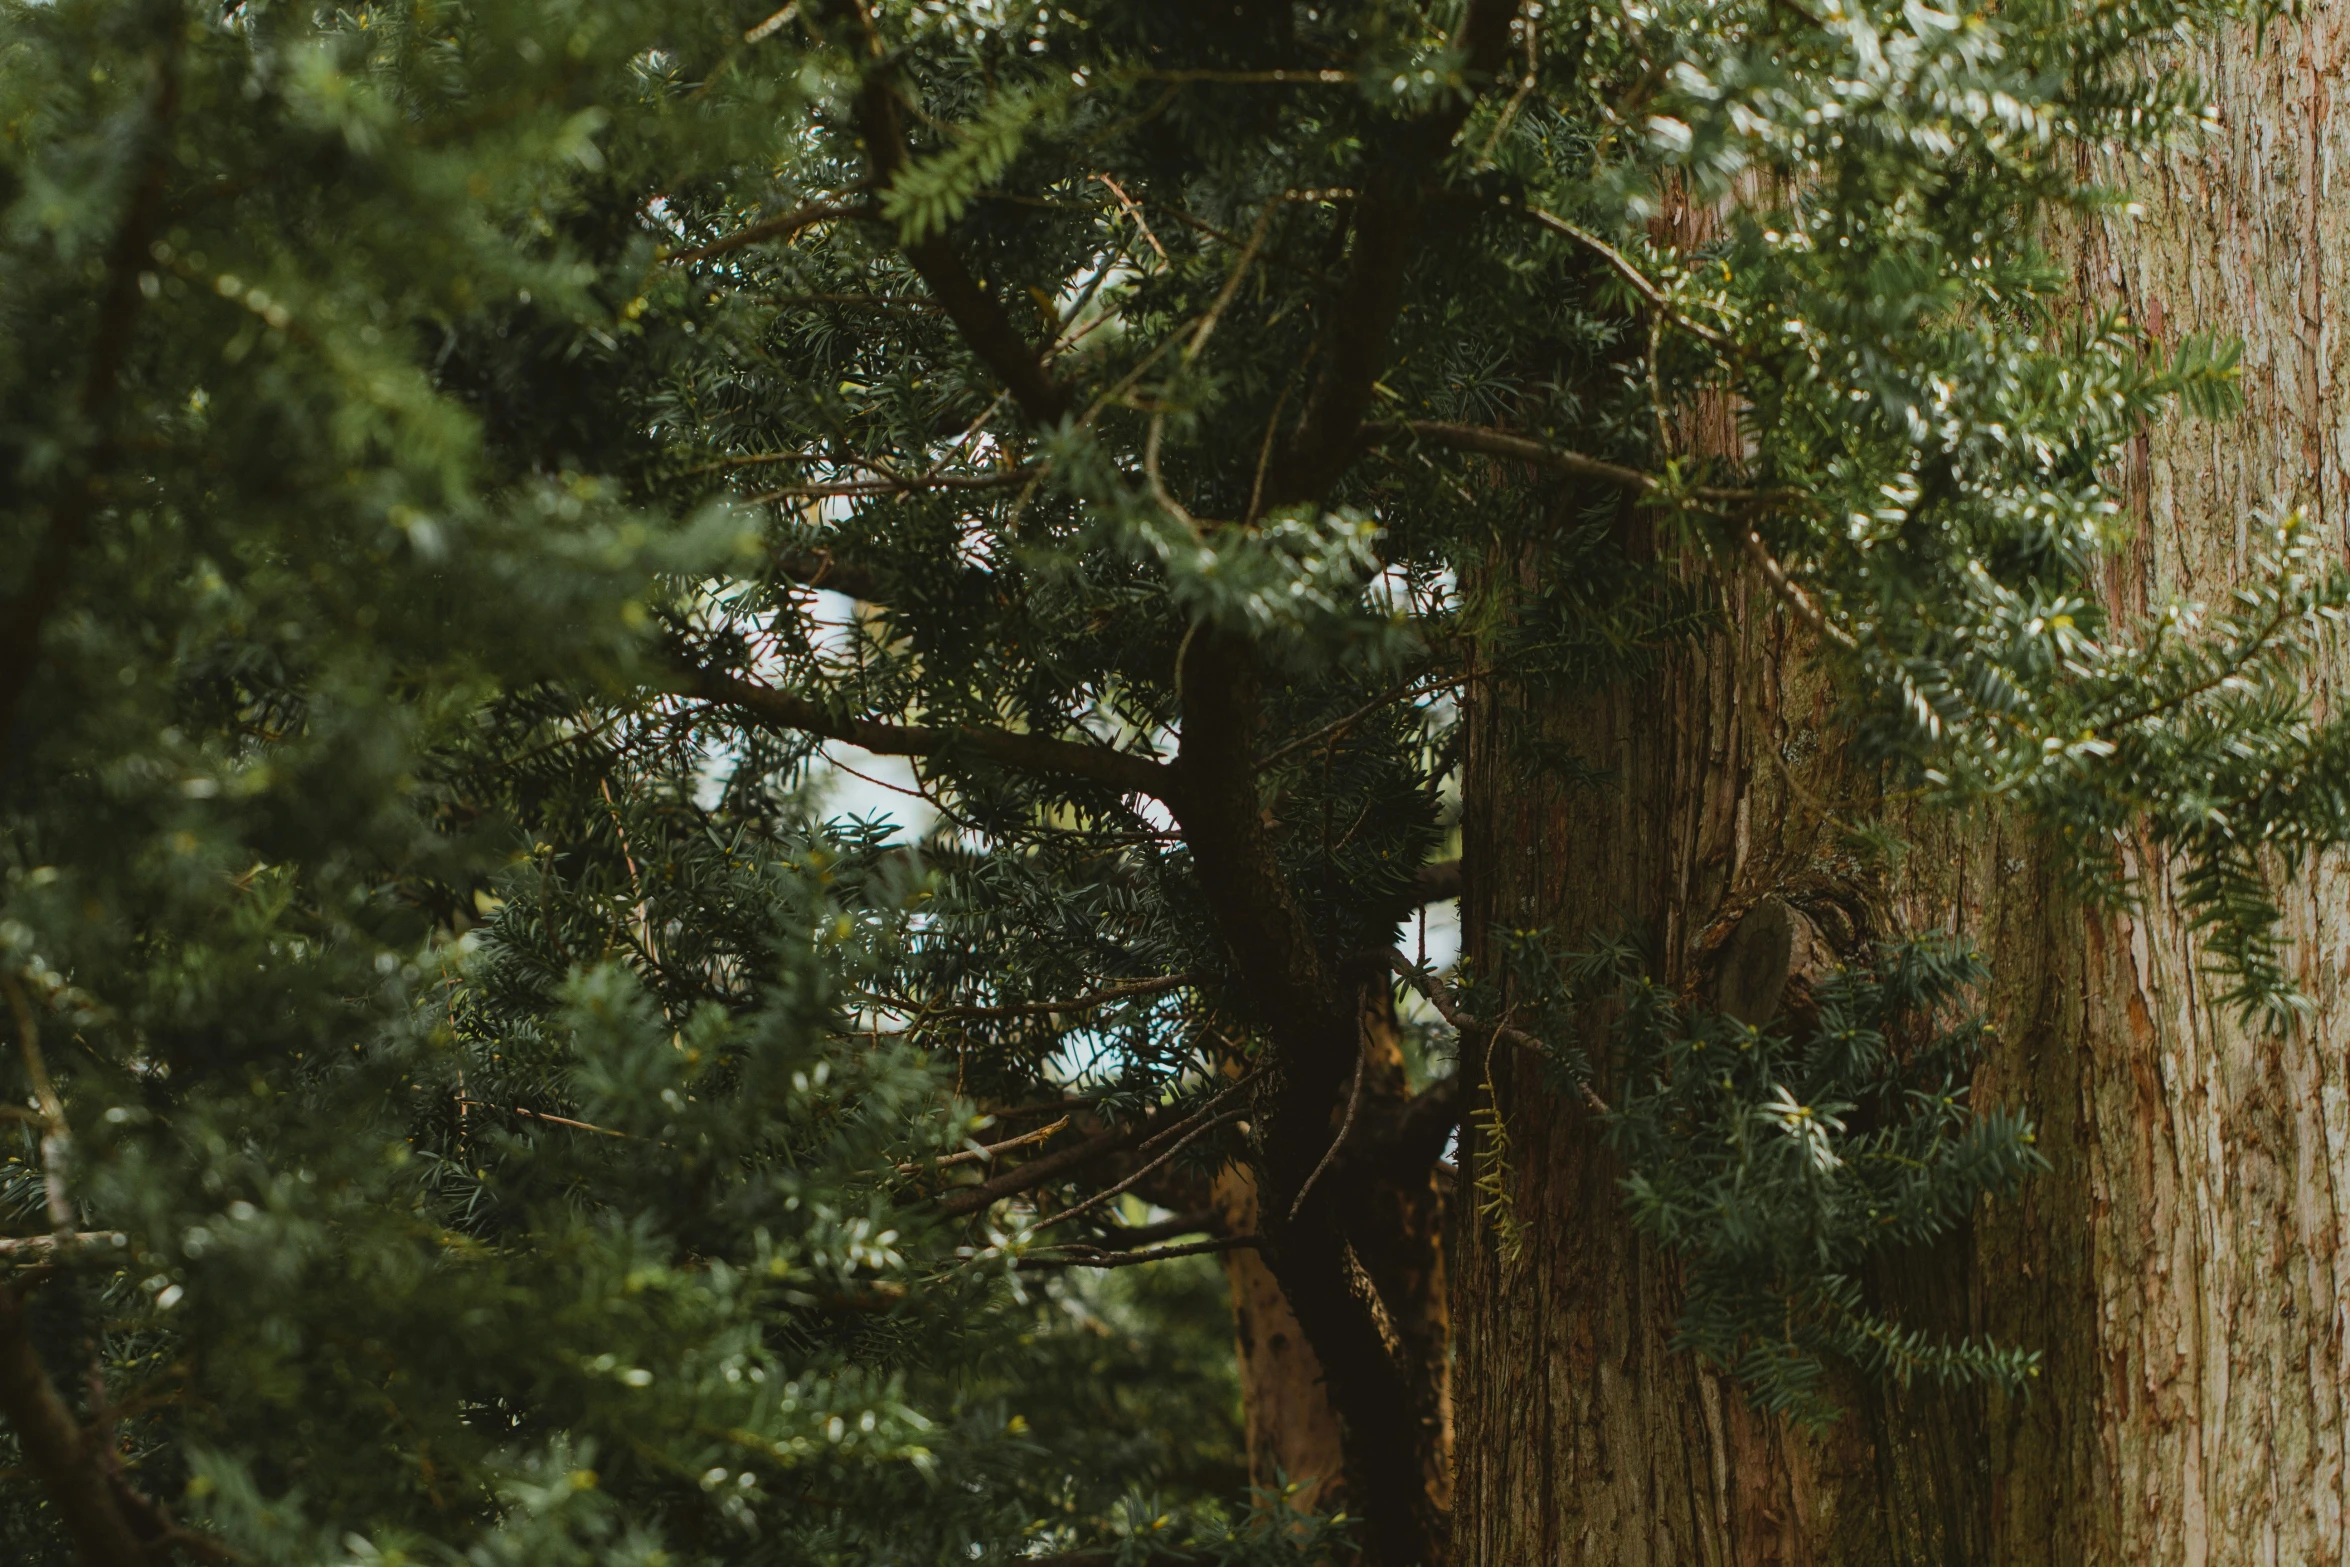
(1293, 1432)
(2181, 1267)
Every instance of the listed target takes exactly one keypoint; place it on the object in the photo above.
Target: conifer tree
(470, 1111)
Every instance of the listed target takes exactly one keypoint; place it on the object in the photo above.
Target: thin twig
(56, 1136)
(1248, 256)
(988, 1153)
(1133, 212)
(1626, 270)
(789, 223)
(1405, 687)
(1125, 991)
(1104, 1195)
(1346, 1124)
(49, 1245)
(1002, 480)
(1132, 1259)
(551, 1120)
(1795, 598)
(1447, 1005)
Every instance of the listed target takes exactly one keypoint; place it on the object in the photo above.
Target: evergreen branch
(1205, 1124)
(74, 1470)
(14, 1246)
(988, 1153)
(1125, 991)
(1387, 223)
(1036, 1172)
(1133, 1259)
(1198, 1221)
(1003, 479)
(1410, 685)
(820, 568)
(541, 1115)
(975, 312)
(1517, 448)
(1025, 753)
(1448, 1007)
(1149, 1133)
(790, 223)
(1623, 267)
(1793, 596)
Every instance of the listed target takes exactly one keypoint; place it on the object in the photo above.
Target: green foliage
(1777, 1163)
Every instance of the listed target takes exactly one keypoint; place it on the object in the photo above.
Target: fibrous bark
(2181, 1266)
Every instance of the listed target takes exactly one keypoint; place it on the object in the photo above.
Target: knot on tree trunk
(1770, 963)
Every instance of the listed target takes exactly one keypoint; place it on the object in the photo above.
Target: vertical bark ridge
(2182, 1265)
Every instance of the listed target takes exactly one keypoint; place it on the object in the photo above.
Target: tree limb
(1038, 1171)
(1517, 448)
(1447, 1005)
(1009, 478)
(1133, 1236)
(1386, 237)
(1095, 1258)
(1127, 990)
(1624, 268)
(988, 1153)
(975, 312)
(772, 228)
(72, 1467)
(1190, 1136)
(1436, 882)
(820, 568)
(1008, 748)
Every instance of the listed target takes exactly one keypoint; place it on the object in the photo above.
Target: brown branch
(988, 1153)
(820, 568)
(1517, 448)
(1007, 748)
(1095, 1258)
(1036, 1172)
(541, 1115)
(1436, 882)
(73, 1469)
(975, 312)
(789, 223)
(1387, 224)
(1336, 727)
(1126, 991)
(1624, 268)
(1005, 479)
(1149, 1133)
(13, 1246)
(23, 616)
(1200, 1221)
(1447, 1005)
(1794, 597)
(1205, 1124)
